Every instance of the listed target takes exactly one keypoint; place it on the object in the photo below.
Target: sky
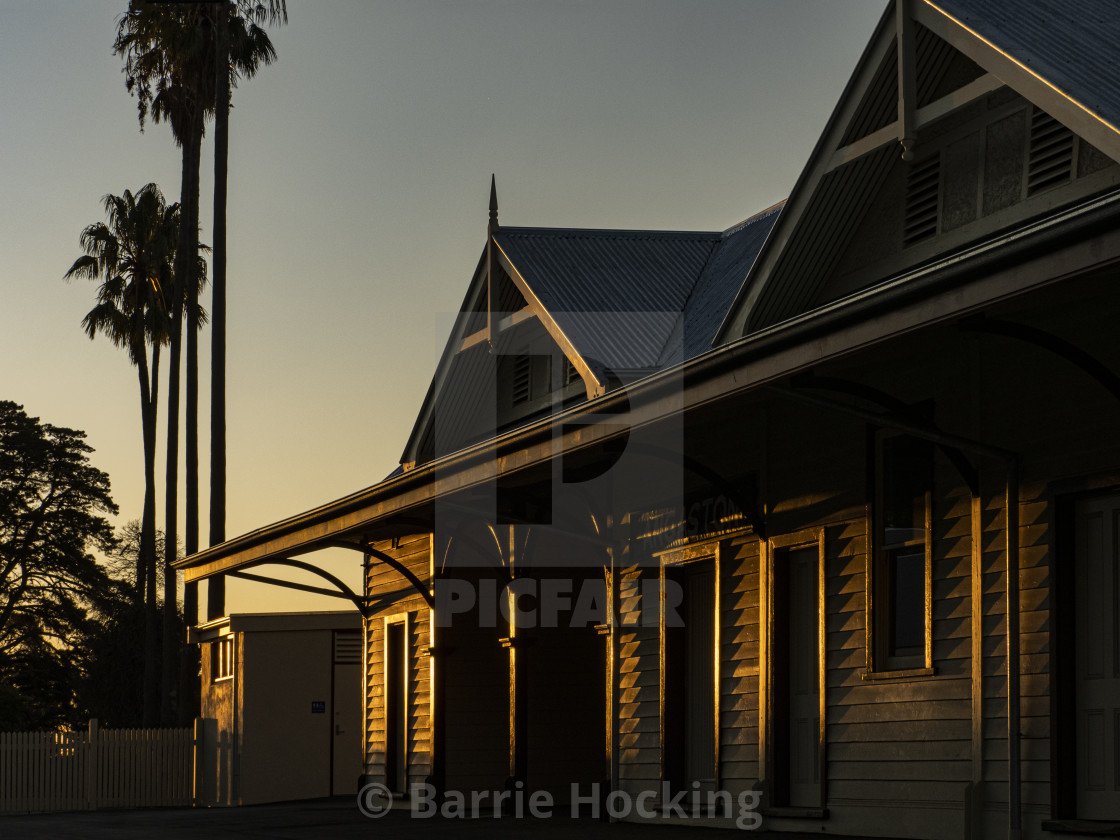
(359, 179)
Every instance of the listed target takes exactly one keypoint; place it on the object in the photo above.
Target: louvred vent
(570, 373)
(347, 648)
(1051, 153)
(522, 369)
(922, 188)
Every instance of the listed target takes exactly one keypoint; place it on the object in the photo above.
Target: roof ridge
(610, 233)
(761, 214)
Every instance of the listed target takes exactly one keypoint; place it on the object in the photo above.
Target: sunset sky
(360, 171)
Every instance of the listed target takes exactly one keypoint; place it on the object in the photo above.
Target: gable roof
(959, 51)
(1038, 38)
(619, 303)
(615, 294)
(711, 297)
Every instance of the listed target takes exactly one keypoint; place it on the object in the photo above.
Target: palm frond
(86, 267)
(134, 255)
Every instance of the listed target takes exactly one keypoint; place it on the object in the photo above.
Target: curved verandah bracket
(1086, 362)
(341, 590)
(473, 545)
(393, 563)
(897, 410)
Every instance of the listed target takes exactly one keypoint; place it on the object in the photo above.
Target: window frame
(405, 675)
(223, 659)
(686, 560)
(772, 551)
(881, 662)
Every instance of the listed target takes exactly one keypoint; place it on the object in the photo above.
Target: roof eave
(1095, 220)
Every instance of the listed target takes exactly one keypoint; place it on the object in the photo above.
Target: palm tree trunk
(148, 397)
(188, 245)
(193, 147)
(216, 607)
(147, 519)
(170, 659)
(185, 266)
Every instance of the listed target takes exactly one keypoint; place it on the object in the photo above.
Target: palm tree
(169, 53)
(133, 255)
(238, 34)
(179, 297)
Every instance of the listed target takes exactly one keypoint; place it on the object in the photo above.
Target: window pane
(908, 602)
(906, 477)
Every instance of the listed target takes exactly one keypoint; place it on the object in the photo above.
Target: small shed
(282, 700)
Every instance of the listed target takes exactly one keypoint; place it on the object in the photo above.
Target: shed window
(221, 659)
(902, 571)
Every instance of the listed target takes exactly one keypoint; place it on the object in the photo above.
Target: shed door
(1098, 660)
(346, 724)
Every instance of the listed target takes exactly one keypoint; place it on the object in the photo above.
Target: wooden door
(1098, 659)
(689, 713)
(396, 707)
(802, 618)
(700, 701)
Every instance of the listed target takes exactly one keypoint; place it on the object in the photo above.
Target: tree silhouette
(132, 255)
(52, 516)
(169, 52)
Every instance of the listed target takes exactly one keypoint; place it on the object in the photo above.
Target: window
(902, 552)
(221, 659)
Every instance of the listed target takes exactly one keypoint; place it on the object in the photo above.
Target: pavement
(336, 819)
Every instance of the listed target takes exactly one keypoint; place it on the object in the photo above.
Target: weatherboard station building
(734, 511)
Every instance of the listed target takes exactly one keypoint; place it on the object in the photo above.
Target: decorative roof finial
(492, 228)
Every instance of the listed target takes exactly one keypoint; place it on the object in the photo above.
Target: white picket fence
(75, 771)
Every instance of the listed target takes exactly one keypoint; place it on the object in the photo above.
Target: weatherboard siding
(375, 697)
(739, 664)
(393, 596)
(639, 705)
(900, 750)
(419, 699)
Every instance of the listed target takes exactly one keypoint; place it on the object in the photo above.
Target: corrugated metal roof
(1072, 44)
(631, 302)
(715, 291)
(616, 294)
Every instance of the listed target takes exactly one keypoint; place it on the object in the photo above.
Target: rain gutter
(1089, 218)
